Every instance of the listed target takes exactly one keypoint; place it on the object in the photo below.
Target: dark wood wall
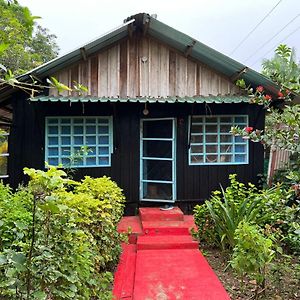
(194, 183)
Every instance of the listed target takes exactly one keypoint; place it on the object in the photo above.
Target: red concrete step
(169, 227)
(125, 273)
(176, 274)
(133, 225)
(166, 242)
(156, 214)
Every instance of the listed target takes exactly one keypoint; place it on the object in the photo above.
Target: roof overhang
(195, 99)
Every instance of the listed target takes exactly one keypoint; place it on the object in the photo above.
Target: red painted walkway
(162, 261)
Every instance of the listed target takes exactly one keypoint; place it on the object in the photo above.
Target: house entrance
(157, 161)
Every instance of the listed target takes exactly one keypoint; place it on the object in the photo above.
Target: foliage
(252, 253)
(282, 128)
(283, 68)
(24, 45)
(69, 243)
(220, 216)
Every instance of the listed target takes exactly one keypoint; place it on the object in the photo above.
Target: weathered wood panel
(145, 67)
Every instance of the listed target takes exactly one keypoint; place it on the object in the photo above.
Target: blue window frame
(211, 142)
(65, 136)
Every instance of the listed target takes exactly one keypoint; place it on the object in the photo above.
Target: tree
(282, 128)
(283, 68)
(23, 44)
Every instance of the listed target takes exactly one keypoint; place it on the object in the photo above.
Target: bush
(72, 243)
(252, 252)
(220, 216)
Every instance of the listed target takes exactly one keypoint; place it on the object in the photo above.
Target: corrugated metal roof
(196, 99)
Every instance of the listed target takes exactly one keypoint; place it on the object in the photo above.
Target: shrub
(72, 244)
(252, 252)
(220, 216)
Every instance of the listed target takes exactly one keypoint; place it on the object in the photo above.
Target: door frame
(173, 139)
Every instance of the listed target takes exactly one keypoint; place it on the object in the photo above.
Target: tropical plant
(283, 68)
(252, 253)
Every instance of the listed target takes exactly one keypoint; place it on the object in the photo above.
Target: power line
(269, 40)
(247, 36)
(264, 55)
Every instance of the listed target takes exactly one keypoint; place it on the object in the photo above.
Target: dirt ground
(283, 281)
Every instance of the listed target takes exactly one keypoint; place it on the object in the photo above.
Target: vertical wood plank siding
(145, 67)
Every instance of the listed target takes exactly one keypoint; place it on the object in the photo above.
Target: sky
(220, 24)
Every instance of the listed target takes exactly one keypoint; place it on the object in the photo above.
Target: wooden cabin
(156, 117)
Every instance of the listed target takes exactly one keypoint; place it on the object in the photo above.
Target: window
(212, 143)
(66, 137)
(3, 153)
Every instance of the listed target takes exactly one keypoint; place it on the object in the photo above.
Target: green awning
(196, 99)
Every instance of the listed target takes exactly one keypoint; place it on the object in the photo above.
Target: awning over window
(196, 99)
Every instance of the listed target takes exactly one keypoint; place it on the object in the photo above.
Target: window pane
(197, 159)
(240, 120)
(53, 129)
(52, 121)
(78, 121)
(226, 148)
(211, 158)
(53, 151)
(240, 148)
(225, 128)
(211, 128)
(65, 121)
(78, 140)
(65, 151)
(196, 149)
(240, 157)
(226, 120)
(226, 138)
(90, 161)
(78, 129)
(197, 129)
(225, 158)
(161, 191)
(103, 150)
(103, 140)
(53, 161)
(53, 140)
(91, 140)
(239, 139)
(65, 129)
(158, 129)
(212, 149)
(103, 129)
(161, 149)
(90, 129)
(92, 151)
(211, 120)
(90, 121)
(211, 138)
(197, 139)
(103, 161)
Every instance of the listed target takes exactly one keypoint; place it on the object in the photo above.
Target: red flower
(260, 89)
(248, 129)
(268, 98)
(280, 95)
